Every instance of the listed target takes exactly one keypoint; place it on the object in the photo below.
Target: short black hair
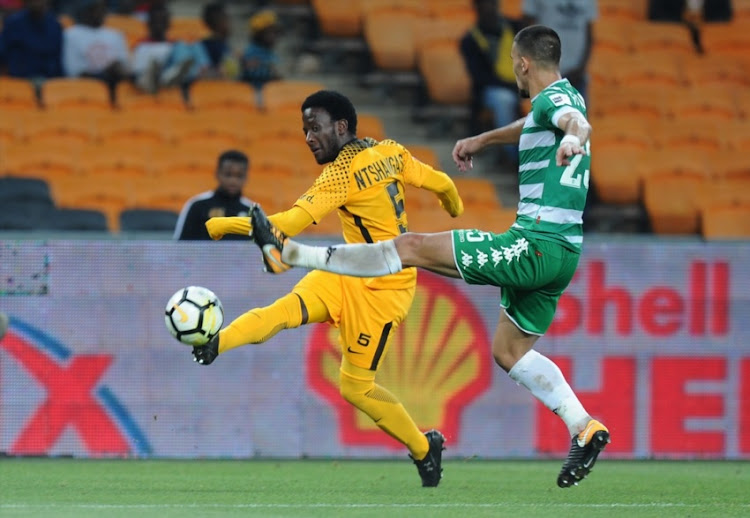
(336, 104)
(234, 156)
(211, 11)
(540, 44)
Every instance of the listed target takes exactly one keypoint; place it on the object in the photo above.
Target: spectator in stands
(486, 52)
(260, 61)
(573, 21)
(226, 200)
(150, 56)
(92, 50)
(31, 42)
(211, 57)
(692, 11)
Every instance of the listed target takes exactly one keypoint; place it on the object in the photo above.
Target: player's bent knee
(354, 390)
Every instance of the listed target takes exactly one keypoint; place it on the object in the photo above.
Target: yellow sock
(259, 324)
(358, 387)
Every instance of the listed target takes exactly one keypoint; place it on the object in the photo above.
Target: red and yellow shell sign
(440, 361)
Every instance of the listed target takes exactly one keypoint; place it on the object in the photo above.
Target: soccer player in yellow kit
(363, 182)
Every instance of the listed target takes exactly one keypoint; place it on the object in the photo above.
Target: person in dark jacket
(31, 42)
(226, 200)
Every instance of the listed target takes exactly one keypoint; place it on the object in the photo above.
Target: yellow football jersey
(365, 185)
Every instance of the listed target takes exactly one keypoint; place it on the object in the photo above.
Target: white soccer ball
(194, 315)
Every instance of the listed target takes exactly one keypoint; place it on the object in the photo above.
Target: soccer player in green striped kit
(532, 262)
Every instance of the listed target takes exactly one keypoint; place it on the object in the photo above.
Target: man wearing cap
(260, 61)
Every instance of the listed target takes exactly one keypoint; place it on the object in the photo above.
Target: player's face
(321, 134)
(520, 69)
(232, 176)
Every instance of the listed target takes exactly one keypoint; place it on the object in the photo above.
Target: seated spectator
(225, 200)
(211, 57)
(259, 61)
(690, 11)
(572, 20)
(486, 52)
(31, 42)
(92, 50)
(220, 62)
(150, 57)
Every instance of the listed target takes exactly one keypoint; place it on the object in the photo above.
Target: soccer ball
(194, 315)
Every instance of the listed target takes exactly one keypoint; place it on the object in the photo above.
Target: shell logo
(438, 363)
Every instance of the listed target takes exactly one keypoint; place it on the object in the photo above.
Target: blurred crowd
(42, 39)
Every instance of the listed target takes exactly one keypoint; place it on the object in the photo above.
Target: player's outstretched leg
(431, 467)
(584, 450)
(270, 240)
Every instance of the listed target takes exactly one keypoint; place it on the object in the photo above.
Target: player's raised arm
(424, 176)
(577, 132)
(465, 149)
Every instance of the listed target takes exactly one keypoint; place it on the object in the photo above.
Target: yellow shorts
(367, 318)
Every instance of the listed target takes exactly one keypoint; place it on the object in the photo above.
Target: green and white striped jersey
(552, 197)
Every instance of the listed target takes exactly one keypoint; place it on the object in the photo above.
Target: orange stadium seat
(109, 194)
(459, 12)
(132, 128)
(658, 162)
(741, 10)
(726, 39)
(196, 127)
(703, 104)
(611, 36)
(477, 193)
(628, 10)
(187, 28)
(130, 99)
(339, 18)
(660, 70)
(39, 161)
(444, 74)
(726, 222)
(671, 201)
(613, 103)
(654, 36)
(625, 128)
(285, 123)
(17, 94)
(389, 33)
(737, 133)
(75, 94)
(233, 95)
(428, 31)
(687, 134)
(714, 70)
(725, 191)
(425, 154)
(370, 126)
(11, 131)
(614, 171)
(288, 94)
(730, 164)
(81, 130)
(290, 151)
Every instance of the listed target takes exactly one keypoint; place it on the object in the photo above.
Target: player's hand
(217, 227)
(567, 149)
(463, 153)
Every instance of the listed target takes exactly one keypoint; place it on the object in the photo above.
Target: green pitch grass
(386, 489)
